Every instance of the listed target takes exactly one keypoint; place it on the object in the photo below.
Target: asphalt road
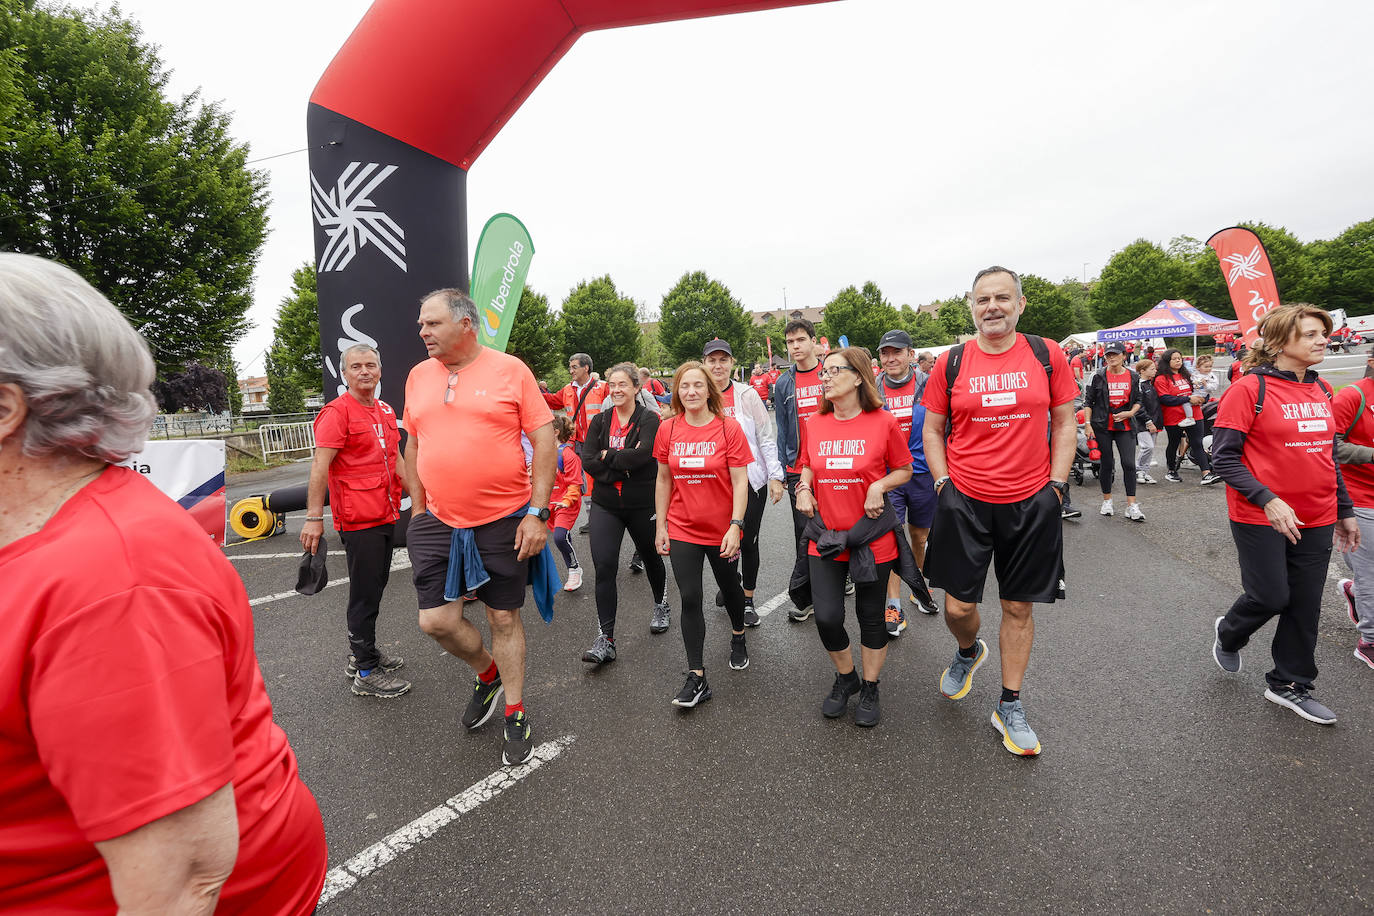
(1165, 785)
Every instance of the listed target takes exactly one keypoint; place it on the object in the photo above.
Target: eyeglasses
(829, 371)
(452, 381)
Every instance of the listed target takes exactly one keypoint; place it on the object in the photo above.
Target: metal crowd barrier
(285, 438)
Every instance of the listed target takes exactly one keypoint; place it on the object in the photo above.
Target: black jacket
(856, 540)
(633, 466)
(1098, 402)
(1149, 408)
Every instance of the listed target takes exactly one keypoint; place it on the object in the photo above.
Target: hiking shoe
(739, 652)
(602, 651)
(958, 677)
(867, 713)
(845, 686)
(1067, 510)
(483, 702)
(1301, 701)
(800, 613)
(1347, 589)
(926, 606)
(751, 616)
(518, 748)
(574, 579)
(1142, 477)
(896, 621)
(1209, 478)
(636, 563)
(1173, 477)
(1106, 508)
(1226, 661)
(1017, 735)
(662, 614)
(1134, 512)
(585, 529)
(379, 683)
(1364, 651)
(695, 691)
(848, 586)
(384, 661)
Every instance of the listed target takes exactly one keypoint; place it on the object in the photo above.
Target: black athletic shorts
(1023, 540)
(428, 541)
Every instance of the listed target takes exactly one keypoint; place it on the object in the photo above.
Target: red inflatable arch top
(445, 77)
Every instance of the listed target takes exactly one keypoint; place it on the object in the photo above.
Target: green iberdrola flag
(499, 270)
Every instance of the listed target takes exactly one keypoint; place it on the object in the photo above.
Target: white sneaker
(1106, 509)
(1186, 422)
(1142, 477)
(1134, 513)
(574, 579)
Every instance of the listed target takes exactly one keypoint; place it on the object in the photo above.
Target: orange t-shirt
(470, 462)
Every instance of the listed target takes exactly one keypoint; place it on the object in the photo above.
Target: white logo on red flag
(1243, 266)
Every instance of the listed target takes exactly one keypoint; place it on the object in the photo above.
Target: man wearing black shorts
(1006, 401)
(476, 515)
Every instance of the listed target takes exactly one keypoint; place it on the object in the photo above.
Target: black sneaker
(585, 529)
(848, 586)
(1301, 701)
(379, 683)
(751, 616)
(1173, 477)
(1068, 510)
(866, 714)
(845, 686)
(483, 702)
(636, 563)
(602, 651)
(1209, 478)
(739, 652)
(926, 604)
(695, 691)
(385, 662)
(662, 615)
(518, 748)
(720, 598)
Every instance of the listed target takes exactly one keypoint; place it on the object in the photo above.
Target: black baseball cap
(717, 345)
(899, 339)
(1115, 346)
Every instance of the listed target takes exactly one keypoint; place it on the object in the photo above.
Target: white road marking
(771, 605)
(346, 876)
(278, 556)
(399, 560)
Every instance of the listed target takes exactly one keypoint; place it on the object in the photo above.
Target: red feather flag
(1249, 278)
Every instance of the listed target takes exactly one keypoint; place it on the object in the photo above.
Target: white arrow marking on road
(346, 876)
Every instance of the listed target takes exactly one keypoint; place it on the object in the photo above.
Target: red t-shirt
(1076, 364)
(132, 691)
(566, 478)
(760, 384)
(700, 458)
(808, 400)
(617, 435)
(1177, 384)
(1118, 394)
(999, 451)
(1359, 478)
(846, 457)
(727, 400)
(900, 399)
(364, 486)
(1287, 447)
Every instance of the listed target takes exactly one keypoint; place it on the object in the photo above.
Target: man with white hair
(143, 772)
(358, 457)
(477, 513)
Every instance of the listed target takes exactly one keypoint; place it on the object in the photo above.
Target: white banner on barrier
(190, 471)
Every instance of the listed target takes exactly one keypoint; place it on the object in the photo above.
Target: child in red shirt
(565, 500)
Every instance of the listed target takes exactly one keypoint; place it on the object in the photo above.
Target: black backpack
(956, 358)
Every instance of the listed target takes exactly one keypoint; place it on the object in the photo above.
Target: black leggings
(1124, 440)
(564, 543)
(1174, 435)
(687, 562)
(827, 594)
(749, 543)
(608, 531)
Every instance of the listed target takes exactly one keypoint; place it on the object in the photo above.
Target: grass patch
(243, 464)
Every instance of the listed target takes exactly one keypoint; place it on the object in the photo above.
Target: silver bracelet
(314, 518)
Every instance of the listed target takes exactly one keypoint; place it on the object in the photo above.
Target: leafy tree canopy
(198, 388)
(1134, 280)
(698, 309)
(1049, 310)
(296, 332)
(600, 322)
(283, 394)
(954, 316)
(863, 315)
(534, 335)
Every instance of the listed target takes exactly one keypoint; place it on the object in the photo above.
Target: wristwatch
(941, 482)
(541, 513)
(735, 521)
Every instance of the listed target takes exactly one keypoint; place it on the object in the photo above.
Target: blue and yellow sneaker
(958, 677)
(1017, 735)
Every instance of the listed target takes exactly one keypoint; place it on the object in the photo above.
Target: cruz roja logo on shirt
(998, 389)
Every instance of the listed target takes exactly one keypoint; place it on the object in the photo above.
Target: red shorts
(564, 518)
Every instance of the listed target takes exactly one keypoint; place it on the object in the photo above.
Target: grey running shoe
(1173, 477)
(1226, 661)
(659, 622)
(1017, 735)
(958, 677)
(483, 702)
(739, 652)
(602, 651)
(867, 713)
(1301, 702)
(518, 748)
(379, 683)
(386, 663)
(751, 616)
(1209, 478)
(800, 613)
(695, 691)
(845, 686)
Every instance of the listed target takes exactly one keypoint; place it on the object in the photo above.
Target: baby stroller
(1086, 456)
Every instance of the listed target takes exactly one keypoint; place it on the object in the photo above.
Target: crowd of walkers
(146, 771)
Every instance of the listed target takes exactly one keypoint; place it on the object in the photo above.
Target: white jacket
(752, 417)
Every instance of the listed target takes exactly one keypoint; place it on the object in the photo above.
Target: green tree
(600, 322)
(925, 329)
(1135, 279)
(231, 387)
(760, 336)
(145, 196)
(1291, 261)
(198, 388)
(283, 394)
(1049, 310)
(954, 316)
(1080, 301)
(534, 335)
(698, 309)
(863, 315)
(651, 351)
(296, 331)
(1345, 268)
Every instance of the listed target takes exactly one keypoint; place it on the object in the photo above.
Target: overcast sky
(906, 142)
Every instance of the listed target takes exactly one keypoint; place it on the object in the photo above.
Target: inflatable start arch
(404, 109)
